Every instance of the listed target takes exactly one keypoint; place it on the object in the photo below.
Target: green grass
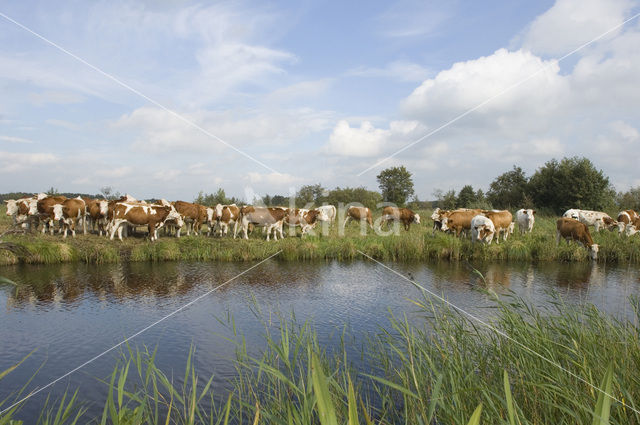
(445, 369)
(416, 245)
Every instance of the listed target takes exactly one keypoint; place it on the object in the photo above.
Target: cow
(574, 230)
(329, 211)
(227, 215)
(596, 219)
(458, 221)
(306, 219)
(149, 215)
(633, 228)
(625, 218)
(361, 214)
(525, 219)
(502, 220)
(72, 210)
(482, 229)
(192, 215)
(46, 213)
(403, 215)
(23, 210)
(97, 210)
(271, 218)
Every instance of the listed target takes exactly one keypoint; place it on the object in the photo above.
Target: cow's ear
(6, 202)
(534, 211)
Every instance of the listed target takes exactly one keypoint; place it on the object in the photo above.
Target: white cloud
(11, 162)
(625, 131)
(569, 24)
(14, 139)
(276, 181)
(366, 140)
(159, 131)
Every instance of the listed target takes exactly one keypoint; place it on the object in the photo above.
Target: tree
(311, 193)
(466, 197)
(509, 189)
(396, 185)
(629, 200)
(445, 201)
(108, 193)
(368, 198)
(571, 183)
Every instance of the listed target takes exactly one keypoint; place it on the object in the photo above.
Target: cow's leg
(73, 228)
(151, 228)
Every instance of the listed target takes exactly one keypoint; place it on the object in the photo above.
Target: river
(70, 313)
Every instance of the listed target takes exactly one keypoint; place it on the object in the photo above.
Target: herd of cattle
(484, 225)
(116, 216)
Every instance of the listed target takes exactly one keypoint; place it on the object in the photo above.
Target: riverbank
(542, 366)
(418, 244)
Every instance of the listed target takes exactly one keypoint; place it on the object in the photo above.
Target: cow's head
(610, 223)
(175, 215)
(444, 224)
(57, 212)
(104, 207)
(12, 207)
(322, 215)
(33, 206)
(416, 218)
(593, 251)
(435, 215)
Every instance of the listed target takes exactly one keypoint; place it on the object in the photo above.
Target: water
(70, 313)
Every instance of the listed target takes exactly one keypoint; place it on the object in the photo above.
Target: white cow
(525, 219)
(597, 219)
(329, 211)
(482, 229)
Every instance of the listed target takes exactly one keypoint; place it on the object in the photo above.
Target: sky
(169, 98)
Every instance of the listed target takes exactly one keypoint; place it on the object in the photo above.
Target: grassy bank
(443, 370)
(416, 245)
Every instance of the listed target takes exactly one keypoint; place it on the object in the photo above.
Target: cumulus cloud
(367, 140)
(569, 24)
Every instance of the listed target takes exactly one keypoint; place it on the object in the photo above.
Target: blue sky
(316, 91)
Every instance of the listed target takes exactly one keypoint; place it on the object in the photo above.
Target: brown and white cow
(626, 218)
(574, 230)
(46, 212)
(458, 221)
(306, 219)
(270, 218)
(227, 215)
(23, 211)
(633, 228)
(597, 219)
(192, 215)
(72, 211)
(403, 215)
(97, 210)
(503, 222)
(152, 216)
(361, 214)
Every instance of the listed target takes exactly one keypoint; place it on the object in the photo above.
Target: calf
(482, 229)
(361, 214)
(270, 218)
(403, 215)
(503, 222)
(525, 219)
(574, 230)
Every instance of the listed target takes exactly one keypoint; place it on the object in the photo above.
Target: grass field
(561, 365)
(418, 244)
